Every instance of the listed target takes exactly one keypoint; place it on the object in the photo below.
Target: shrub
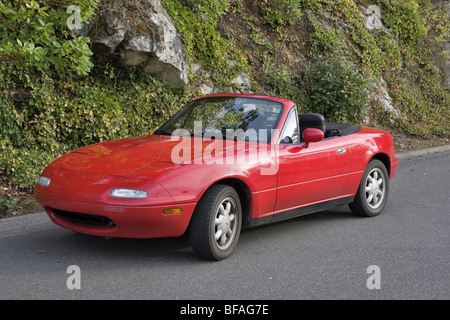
(337, 89)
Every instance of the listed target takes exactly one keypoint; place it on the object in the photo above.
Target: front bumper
(117, 220)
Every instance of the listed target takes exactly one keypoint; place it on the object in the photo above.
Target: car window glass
(239, 118)
(290, 131)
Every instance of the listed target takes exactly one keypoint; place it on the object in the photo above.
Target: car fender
(366, 145)
(189, 183)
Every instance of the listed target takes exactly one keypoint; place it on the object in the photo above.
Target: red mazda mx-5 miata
(223, 162)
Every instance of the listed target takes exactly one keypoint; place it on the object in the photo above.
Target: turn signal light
(172, 211)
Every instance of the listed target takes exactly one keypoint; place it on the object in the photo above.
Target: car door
(309, 173)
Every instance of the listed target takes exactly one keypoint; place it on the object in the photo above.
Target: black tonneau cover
(340, 129)
(330, 129)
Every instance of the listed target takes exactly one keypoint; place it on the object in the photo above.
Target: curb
(403, 156)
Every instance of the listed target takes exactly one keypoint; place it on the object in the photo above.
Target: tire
(216, 223)
(373, 191)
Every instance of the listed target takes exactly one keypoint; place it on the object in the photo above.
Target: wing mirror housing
(313, 135)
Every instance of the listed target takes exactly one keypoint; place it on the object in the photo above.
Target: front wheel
(216, 223)
(373, 191)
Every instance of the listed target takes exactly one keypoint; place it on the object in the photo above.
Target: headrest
(312, 120)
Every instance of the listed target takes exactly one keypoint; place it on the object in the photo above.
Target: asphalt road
(325, 255)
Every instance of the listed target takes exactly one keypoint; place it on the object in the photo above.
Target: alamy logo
(222, 151)
(74, 280)
(74, 21)
(374, 280)
(373, 19)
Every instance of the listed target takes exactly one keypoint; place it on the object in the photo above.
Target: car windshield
(238, 118)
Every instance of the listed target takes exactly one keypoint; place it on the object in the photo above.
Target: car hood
(123, 157)
(147, 157)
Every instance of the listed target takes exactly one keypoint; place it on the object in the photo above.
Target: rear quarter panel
(365, 145)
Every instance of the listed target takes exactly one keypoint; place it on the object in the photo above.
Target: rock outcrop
(139, 34)
(241, 84)
(381, 95)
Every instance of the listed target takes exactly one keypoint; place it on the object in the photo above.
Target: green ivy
(279, 13)
(404, 19)
(8, 204)
(197, 22)
(61, 116)
(34, 38)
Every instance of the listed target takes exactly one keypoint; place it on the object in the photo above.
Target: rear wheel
(216, 223)
(373, 191)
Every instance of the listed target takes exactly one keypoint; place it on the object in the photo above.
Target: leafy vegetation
(406, 53)
(34, 38)
(59, 116)
(279, 13)
(197, 22)
(337, 89)
(8, 204)
(319, 53)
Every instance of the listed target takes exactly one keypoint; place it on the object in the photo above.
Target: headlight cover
(128, 193)
(44, 181)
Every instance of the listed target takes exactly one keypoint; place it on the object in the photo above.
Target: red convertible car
(222, 163)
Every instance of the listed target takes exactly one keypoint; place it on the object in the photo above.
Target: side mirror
(313, 135)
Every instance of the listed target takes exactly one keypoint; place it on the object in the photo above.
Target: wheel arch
(385, 159)
(243, 191)
(244, 195)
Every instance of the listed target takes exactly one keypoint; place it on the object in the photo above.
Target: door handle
(341, 150)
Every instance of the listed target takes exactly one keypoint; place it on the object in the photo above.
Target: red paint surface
(306, 174)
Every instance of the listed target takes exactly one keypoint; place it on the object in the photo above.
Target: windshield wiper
(163, 132)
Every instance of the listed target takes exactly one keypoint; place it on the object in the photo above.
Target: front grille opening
(82, 218)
